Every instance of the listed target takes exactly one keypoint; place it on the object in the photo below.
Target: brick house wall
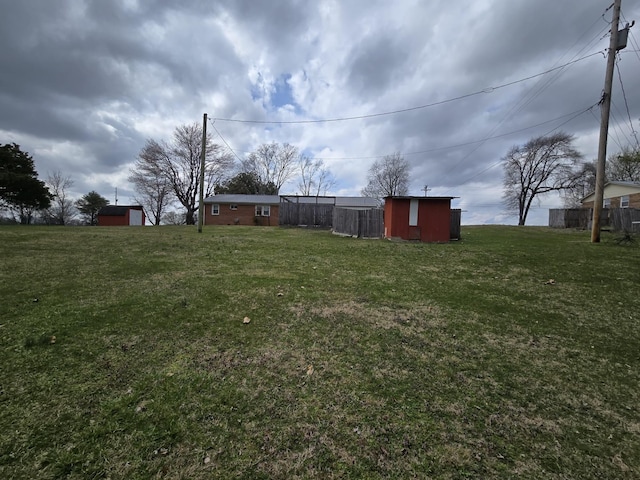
(242, 215)
(634, 202)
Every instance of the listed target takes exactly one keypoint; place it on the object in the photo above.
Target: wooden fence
(618, 219)
(306, 214)
(358, 223)
(575, 218)
(625, 219)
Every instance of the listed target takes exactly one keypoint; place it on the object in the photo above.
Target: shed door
(413, 213)
(135, 217)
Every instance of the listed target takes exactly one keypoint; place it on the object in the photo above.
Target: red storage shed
(427, 219)
(119, 215)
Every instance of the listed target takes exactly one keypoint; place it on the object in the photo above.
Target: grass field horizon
(248, 352)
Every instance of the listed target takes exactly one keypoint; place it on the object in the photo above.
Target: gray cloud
(377, 62)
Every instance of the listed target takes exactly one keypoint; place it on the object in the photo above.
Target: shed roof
(244, 199)
(117, 210)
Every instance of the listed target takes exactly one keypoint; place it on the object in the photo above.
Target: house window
(263, 210)
(624, 201)
(215, 209)
(233, 206)
(606, 203)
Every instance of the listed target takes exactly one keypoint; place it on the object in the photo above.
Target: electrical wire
(500, 161)
(617, 131)
(608, 133)
(624, 95)
(436, 149)
(451, 147)
(532, 94)
(410, 109)
(540, 87)
(222, 138)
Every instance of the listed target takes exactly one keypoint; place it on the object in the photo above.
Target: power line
(410, 109)
(222, 138)
(608, 134)
(500, 161)
(532, 94)
(624, 95)
(450, 147)
(436, 149)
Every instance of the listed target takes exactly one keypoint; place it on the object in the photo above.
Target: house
(616, 195)
(231, 209)
(121, 215)
(427, 219)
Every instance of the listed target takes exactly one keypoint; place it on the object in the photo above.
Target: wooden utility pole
(203, 156)
(604, 124)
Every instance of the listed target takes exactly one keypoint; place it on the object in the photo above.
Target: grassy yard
(513, 353)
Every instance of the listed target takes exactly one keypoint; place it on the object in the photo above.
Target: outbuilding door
(135, 217)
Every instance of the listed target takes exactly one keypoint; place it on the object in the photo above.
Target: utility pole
(604, 124)
(426, 190)
(202, 167)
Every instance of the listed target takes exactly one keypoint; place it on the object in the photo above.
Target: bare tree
(388, 177)
(308, 170)
(62, 209)
(272, 162)
(179, 161)
(153, 189)
(325, 181)
(624, 166)
(315, 178)
(584, 184)
(542, 165)
(173, 218)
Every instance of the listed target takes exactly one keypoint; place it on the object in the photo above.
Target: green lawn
(513, 353)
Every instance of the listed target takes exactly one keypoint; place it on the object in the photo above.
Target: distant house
(427, 219)
(230, 209)
(616, 195)
(121, 215)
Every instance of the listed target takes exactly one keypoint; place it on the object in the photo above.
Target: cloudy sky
(84, 83)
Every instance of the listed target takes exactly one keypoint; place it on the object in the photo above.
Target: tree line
(166, 173)
(24, 196)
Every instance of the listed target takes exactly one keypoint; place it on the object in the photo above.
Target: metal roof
(319, 200)
(346, 202)
(354, 202)
(244, 199)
